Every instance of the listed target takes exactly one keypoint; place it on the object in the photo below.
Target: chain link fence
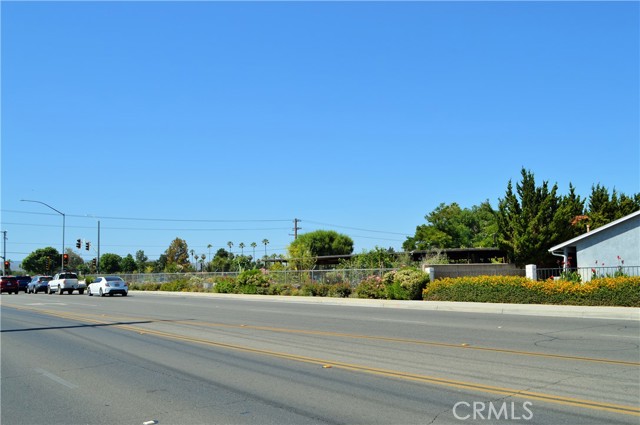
(291, 277)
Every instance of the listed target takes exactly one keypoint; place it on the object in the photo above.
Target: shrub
(253, 282)
(225, 285)
(178, 285)
(371, 287)
(314, 289)
(405, 284)
(340, 290)
(620, 291)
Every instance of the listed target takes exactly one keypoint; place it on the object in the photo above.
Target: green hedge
(615, 291)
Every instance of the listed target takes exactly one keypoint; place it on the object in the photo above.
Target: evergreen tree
(533, 219)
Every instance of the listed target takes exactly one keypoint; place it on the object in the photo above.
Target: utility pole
(4, 250)
(296, 228)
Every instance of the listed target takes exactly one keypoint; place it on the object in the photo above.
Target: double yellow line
(504, 391)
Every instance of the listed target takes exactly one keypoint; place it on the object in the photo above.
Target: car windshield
(68, 276)
(45, 279)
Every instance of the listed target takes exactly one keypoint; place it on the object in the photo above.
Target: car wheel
(80, 291)
(89, 292)
(100, 292)
(124, 294)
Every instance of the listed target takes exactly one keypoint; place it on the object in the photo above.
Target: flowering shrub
(226, 285)
(620, 291)
(371, 287)
(405, 284)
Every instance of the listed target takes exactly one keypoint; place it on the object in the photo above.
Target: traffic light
(7, 265)
(87, 245)
(65, 259)
(78, 243)
(94, 262)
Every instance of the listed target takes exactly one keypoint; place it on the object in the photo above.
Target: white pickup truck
(66, 281)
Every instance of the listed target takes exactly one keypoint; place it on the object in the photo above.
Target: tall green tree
(222, 261)
(322, 242)
(604, 207)
(128, 264)
(42, 261)
(141, 261)
(450, 226)
(110, 263)
(177, 256)
(534, 218)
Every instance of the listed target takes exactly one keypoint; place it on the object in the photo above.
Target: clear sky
(224, 121)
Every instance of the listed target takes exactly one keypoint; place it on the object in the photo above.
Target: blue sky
(224, 121)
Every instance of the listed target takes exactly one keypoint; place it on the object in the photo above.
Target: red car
(9, 284)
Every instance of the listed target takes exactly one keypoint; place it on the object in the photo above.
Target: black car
(23, 283)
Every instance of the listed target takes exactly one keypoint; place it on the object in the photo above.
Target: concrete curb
(587, 312)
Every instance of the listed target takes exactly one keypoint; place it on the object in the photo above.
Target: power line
(156, 219)
(356, 228)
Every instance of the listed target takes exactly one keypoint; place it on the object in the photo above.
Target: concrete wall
(622, 240)
(457, 270)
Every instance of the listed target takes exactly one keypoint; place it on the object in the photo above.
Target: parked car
(23, 282)
(38, 284)
(65, 282)
(108, 285)
(9, 284)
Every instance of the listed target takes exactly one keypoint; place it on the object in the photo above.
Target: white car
(108, 285)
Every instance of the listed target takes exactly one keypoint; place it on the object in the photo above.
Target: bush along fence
(408, 284)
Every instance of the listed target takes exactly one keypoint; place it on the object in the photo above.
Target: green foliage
(371, 287)
(253, 282)
(571, 276)
(128, 264)
(405, 284)
(42, 261)
(314, 289)
(177, 256)
(534, 219)
(110, 263)
(377, 258)
(222, 261)
(340, 290)
(178, 285)
(226, 285)
(449, 226)
(605, 207)
(621, 291)
(321, 243)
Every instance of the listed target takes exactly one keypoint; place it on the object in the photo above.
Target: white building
(611, 246)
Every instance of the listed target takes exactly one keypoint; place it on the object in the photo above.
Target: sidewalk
(587, 312)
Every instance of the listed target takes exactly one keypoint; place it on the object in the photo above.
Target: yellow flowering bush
(613, 291)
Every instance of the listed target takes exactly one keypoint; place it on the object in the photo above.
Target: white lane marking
(622, 336)
(58, 379)
(46, 304)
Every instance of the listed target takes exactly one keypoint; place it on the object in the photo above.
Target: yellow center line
(415, 341)
(373, 338)
(512, 392)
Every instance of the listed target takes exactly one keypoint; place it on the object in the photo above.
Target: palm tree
(230, 245)
(202, 258)
(241, 245)
(265, 242)
(254, 245)
(195, 261)
(209, 246)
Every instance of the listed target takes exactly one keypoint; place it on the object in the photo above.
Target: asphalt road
(71, 359)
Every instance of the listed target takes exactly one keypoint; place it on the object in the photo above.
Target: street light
(63, 225)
